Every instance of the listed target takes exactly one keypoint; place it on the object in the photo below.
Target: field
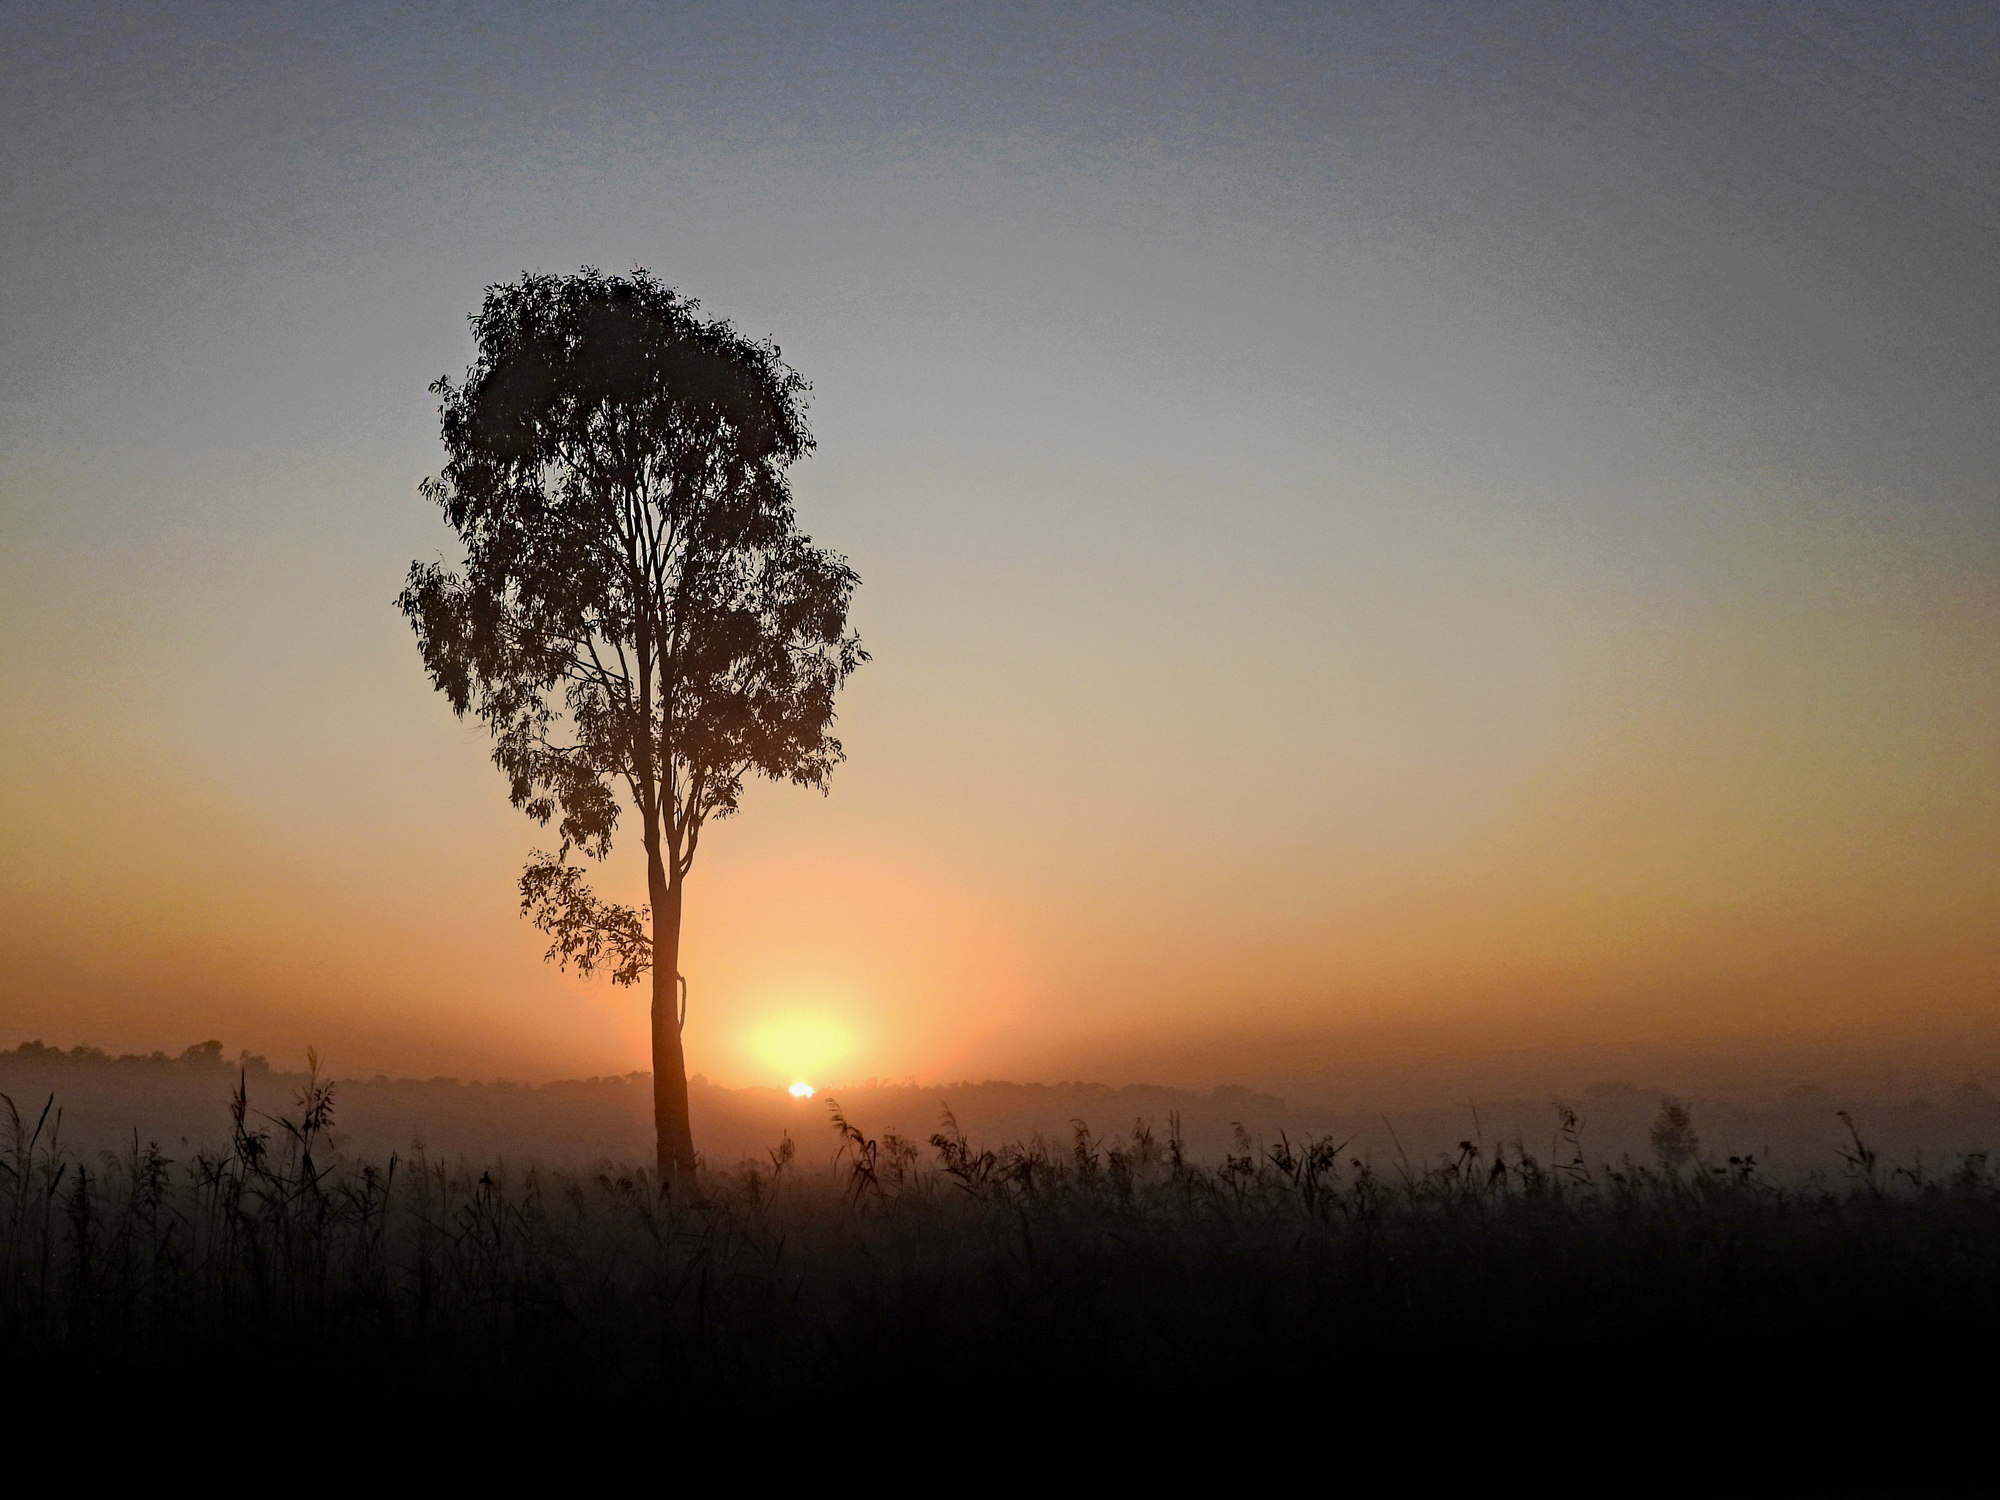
(1499, 1290)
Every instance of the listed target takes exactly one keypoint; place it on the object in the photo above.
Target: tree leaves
(638, 620)
(583, 930)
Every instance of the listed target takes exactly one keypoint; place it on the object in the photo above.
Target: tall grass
(1118, 1266)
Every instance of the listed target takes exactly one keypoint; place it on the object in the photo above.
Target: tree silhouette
(639, 621)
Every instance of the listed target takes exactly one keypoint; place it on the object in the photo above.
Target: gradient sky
(1406, 547)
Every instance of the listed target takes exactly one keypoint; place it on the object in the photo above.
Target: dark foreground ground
(1503, 1309)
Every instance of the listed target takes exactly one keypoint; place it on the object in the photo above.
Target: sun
(801, 1091)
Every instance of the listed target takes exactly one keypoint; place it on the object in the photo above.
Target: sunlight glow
(800, 1091)
(801, 1045)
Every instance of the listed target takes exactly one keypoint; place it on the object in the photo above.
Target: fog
(183, 1103)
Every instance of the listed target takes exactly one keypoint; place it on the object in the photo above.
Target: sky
(1407, 548)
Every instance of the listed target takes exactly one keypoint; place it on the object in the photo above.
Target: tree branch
(583, 930)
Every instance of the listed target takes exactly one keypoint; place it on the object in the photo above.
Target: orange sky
(1420, 596)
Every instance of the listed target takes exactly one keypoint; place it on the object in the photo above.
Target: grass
(1107, 1272)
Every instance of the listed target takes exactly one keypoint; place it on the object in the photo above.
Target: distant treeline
(200, 1055)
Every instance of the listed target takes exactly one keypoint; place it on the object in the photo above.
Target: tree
(639, 622)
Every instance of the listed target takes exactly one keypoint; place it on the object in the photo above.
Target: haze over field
(1407, 550)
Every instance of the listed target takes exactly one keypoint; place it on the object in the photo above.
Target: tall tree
(639, 622)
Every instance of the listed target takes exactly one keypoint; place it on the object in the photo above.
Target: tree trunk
(671, 1127)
